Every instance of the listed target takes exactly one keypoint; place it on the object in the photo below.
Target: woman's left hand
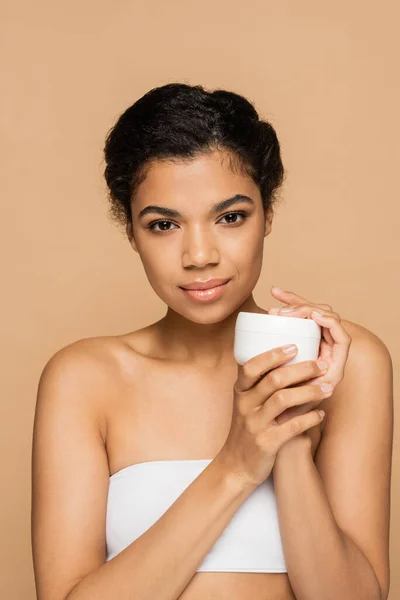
(334, 346)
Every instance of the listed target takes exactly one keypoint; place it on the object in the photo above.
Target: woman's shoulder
(90, 357)
(90, 371)
(363, 338)
(100, 355)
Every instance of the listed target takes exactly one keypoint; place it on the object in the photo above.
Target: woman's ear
(269, 215)
(129, 233)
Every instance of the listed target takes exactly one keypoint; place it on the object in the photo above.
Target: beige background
(325, 74)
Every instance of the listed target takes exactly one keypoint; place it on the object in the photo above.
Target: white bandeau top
(140, 494)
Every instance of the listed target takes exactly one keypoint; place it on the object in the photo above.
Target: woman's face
(182, 237)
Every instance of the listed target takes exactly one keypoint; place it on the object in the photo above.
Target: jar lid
(280, 325)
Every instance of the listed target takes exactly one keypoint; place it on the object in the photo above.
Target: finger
(332, 349)
(275, 310)
(279, 435)
(288, 398)
(278, 380)
(293, 411)
(327, 336)
(327, 341)
(327, 307)
(288, 297)
(325, 351)
(325, 331)
(292, 298)
(325, 355)
(341, 339)
(335, 350)
(305, 310)
(254, 369)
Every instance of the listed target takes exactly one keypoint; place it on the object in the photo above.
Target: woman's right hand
(261, 393)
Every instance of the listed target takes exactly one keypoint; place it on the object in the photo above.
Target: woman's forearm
(321, 561)
(162, 561)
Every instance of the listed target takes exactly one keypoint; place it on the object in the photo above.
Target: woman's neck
(202, 344)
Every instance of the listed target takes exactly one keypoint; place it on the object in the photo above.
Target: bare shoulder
(367, 352)
(94, 367)
(92, 359)
(360, 334)
(100, 352)
(367, 349)
(368, 357)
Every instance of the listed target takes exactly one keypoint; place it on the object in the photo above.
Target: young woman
(162, 469)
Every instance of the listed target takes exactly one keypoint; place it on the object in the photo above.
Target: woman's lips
(206, 295)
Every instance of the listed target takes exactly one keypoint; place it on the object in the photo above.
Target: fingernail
(326, 387)
(289, 348)
(276, 288)
(322, 365)
(315, 312)
(285, 310)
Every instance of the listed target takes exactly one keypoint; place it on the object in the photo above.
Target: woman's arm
(162, 561)
(322, 561)
(335, 514)
(69, 498)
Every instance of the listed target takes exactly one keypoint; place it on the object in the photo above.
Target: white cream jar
(256, 333)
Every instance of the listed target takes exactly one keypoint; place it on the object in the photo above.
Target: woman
(157, 459)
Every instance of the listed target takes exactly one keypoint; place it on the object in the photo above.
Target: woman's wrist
(296, 448)
(235, 481)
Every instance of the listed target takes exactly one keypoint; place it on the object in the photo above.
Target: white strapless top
(140, 494)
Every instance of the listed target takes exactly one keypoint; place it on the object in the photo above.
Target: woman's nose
(199, 249)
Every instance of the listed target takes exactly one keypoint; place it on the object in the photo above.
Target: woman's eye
(164, 225)
(153, 225)
(235, 214)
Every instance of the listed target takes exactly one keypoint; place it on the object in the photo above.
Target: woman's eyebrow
(169, 212)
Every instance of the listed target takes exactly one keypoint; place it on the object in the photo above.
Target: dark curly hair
(177, 121)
